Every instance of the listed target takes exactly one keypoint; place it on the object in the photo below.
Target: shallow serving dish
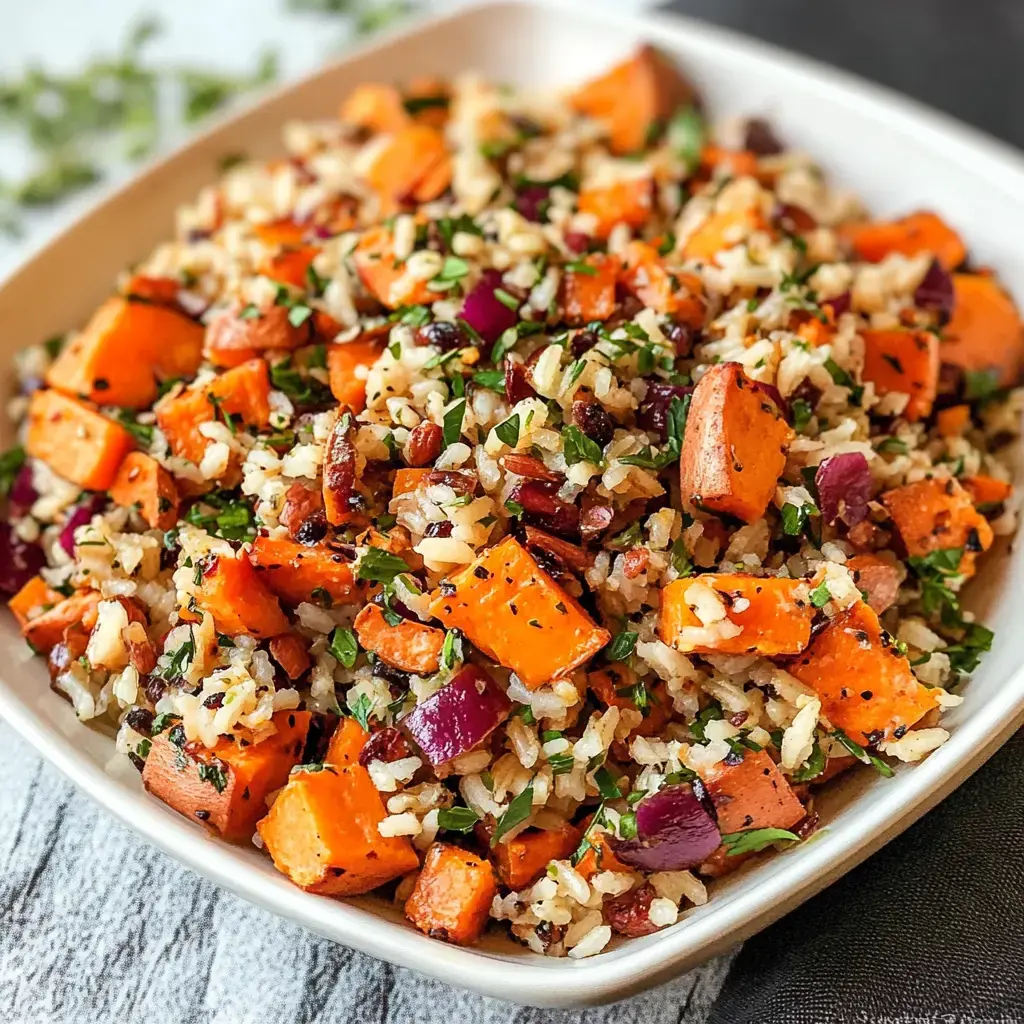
(898, 156)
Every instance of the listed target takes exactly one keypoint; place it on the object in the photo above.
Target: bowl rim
(638, 965)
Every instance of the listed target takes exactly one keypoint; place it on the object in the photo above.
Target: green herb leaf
(577, 447)
(451, 425)
(820, 595)
(493, 380)
(343, 646)
(686, 134)
(622, 646)
(10, 466)
(606, 785)
(812, 767)
(802, 413)
(516, 813)
(754, 840)
(456, 819)
(862, 755)
(380, 566)
(215, 775)
(508, 431)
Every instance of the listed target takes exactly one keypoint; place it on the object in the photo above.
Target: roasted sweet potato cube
(45, 630)
(987, 490)
(912, 235)
(124, 351)
(518, 615)
(233, 593)
(615, 685)
(625, 202)
(588, 293)
(936, 515)
(346, 366)
(645, 275)
(293, 571)
(721, 231)
(453, 894)
(734, 449)
(409, 646)
(866, 686)
(243, 393)
(635, 98)
(75, 441)
(906, 362)
(984, 334)
(766, 616)
(225, 787)
(322, 832)
(752, 794)
(143, 482)
(523, 859)
(34, 598)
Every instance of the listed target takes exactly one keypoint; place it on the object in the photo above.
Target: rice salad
(519, 503)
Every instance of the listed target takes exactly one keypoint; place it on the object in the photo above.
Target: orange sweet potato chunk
(625, 202)
(453, 894)
(238, 335)
(374, 258)
(589, 295)
(752, 794)
(678, 294)
(240, 603)
(413, 168)
(225, 787)
(322, 832)
(344, 363)
(32, 600)
(906, 362)
(143, 482)
(410, 646)
(938, 514)
(987, 490)
(953, 420)
(124, 351)
(984, 334)
(722, 231)
(46, 630)
(523, 859)
(734, 448)
(766, 616)
(75, 441)
(293, 571)
(866, 686)
(518, 615)
(242, 393)
(407, 480)
(634, 98)
(613, 686)
(911, 235)
(376, 107)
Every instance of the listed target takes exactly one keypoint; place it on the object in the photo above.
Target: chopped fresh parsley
(515, 814)
(508, 431)
(10, 466)
(577, 447)
(622, 646)
(380, 566)
(754, 840)
(862, 755)
(451, 425)
(215, 775)
(456, 819)
(820, 595)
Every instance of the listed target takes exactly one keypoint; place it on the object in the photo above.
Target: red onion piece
(19, 561)
(844, 487)
(484, 312)
(531, 202)
(840, 304)
(79, 516)
(459, 716)
(936, 292)
(674, 832)
(653, 412)
(23, 493)
(577, 241)
(775, 395)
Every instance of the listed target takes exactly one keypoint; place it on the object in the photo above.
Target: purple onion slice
(19, 560)
(844, 488)
(936, 291)
(79, 516)
(485, 312)
(674, 832)
(459, 716)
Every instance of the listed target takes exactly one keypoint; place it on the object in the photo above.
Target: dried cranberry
(386, 744)
(593, 419)
(533, 202)
(652, 415)
(840, 304)
(442, 333)
(313, 530)
(542, 507)
(682, 337)
(441, 529)
(629, 914)
(425, 444)
(793, 219)
(155, 688)
(577, 241)
(583, 341)
(140, 719)
(760, 138)
(517, 382)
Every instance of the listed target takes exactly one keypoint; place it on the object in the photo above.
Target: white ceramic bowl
(894, 153)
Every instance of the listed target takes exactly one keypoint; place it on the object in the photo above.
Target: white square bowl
(897, 155)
